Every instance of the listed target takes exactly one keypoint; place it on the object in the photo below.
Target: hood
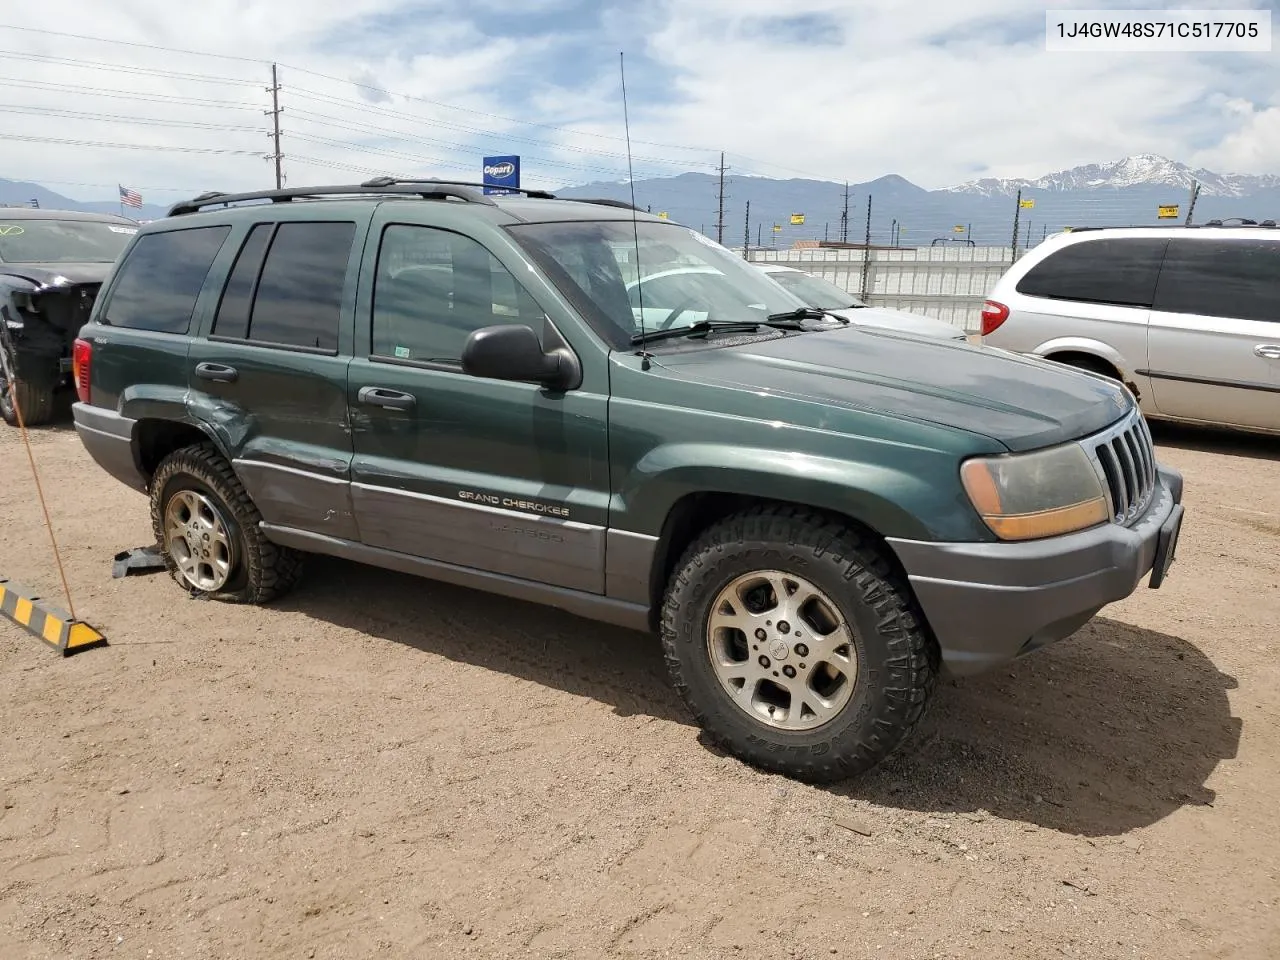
(901, 320)
(48, 273)
(1019, 402)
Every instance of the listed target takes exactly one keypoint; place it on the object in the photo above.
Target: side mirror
(512, 352)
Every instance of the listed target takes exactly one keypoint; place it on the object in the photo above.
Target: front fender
(919, 498)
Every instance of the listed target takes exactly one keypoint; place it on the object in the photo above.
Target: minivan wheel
(209, 534)
(795, 645)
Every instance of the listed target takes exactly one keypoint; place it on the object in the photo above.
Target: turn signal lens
(1034, 495)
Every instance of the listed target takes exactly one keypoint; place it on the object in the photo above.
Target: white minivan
(1187, 317)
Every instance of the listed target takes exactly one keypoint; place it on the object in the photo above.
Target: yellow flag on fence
(797, 219)
(777, 228)
(662, 215)
(1026, 204)
(958, 228)
(1168, 211)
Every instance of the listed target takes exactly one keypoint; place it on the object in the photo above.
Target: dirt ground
(380, 766)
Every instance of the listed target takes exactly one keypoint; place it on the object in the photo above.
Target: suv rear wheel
(795, 646)
(209, 533)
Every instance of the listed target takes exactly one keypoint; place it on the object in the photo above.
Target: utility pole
(1016, 211)
(844, 217)
(274, 114)
(746, 233)
(1195, 192)
(866, 250)
(720, 216)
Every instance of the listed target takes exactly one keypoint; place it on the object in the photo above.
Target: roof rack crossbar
(438, 190)
(405, 181)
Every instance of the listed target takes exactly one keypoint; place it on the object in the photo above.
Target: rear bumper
(989, 603)
(109, 439)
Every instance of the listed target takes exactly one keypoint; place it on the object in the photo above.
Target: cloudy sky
(939, 91)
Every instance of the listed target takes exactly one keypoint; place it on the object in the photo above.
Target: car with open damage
(817, 517)
(52, 263)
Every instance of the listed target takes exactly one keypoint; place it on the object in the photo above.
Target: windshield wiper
(704, 327)
(807, 313)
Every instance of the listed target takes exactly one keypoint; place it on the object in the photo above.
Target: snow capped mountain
(1142, 170)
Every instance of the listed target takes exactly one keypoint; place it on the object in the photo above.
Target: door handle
(387, 399)
(218, 372)
(1269, 351)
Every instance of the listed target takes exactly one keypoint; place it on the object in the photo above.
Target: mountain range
(1127, 191)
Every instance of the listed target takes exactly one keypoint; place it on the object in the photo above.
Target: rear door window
(298, 302)
(232, 320)
(1120, 271)
(1221, 278)
(161, 278)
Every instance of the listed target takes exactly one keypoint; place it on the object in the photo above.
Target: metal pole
(866, 250)
(1195, 192)
(720, 216)
(1016, 211)
(746, 232)
(844, 217)
(275, 125)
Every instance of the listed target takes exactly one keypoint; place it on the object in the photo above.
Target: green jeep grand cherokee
(581, 405)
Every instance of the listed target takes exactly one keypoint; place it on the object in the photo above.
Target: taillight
(994, 313)
(81, 355)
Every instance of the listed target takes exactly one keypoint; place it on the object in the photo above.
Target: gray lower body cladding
(989, 603)
(108, 437)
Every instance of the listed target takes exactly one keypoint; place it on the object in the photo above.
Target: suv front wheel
(208, 530)
(795, 646)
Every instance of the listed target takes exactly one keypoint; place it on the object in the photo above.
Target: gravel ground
(379, 766)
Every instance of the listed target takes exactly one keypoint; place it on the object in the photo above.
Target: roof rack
(438, 190)
(605, 202)
(1241, 222)
(404, 181)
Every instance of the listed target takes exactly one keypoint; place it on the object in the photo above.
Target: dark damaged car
(52, 263)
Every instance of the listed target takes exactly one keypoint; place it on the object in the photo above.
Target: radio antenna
(635, 220)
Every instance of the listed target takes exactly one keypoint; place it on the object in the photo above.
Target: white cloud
(934, 90)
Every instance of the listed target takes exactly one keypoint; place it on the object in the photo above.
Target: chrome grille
(1124, 456)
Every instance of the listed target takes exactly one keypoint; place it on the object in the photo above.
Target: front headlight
(1027, 496)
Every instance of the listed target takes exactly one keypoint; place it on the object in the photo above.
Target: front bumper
(989, 603)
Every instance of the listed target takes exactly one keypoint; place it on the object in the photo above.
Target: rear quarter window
(161, 278)
(1120, 271)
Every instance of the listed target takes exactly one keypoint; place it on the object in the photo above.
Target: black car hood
(1019, 402)
(48, 273)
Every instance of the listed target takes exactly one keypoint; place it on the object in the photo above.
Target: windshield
(815, 291)
(62, 241)
(683, 278)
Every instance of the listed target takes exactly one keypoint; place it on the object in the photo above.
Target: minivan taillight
(81, 356)
(994, 313)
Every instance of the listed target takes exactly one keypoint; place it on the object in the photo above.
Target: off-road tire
(263, 571)
(35, 402)
(898, 657)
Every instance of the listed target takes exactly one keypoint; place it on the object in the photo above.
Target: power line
(123, 68)
(84, 91)
(130, 146)
(384, 92)
(148, 121)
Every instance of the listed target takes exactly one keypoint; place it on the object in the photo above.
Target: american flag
(130, 198)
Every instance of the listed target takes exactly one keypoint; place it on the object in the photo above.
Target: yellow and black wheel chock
(52, 625)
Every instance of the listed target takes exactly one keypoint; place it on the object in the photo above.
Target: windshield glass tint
(815, 291)
(683, 277)
(62, 241)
